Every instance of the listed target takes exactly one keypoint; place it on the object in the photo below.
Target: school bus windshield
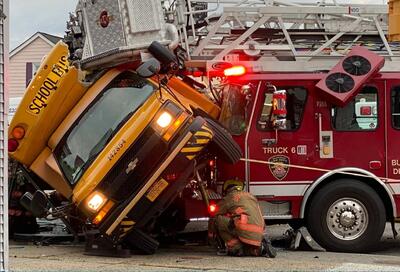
(99, 123)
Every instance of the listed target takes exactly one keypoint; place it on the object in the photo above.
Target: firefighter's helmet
(237, 184)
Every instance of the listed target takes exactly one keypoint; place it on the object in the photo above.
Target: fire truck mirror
(149, 68)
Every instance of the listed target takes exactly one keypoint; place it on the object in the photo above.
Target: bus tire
(223, 144)
(347, 216)
(142, 241)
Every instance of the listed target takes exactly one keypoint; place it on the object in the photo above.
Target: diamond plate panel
(112, 24)
(143, 15)
(103, 25)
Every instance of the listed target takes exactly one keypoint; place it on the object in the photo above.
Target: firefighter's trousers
(227, 232)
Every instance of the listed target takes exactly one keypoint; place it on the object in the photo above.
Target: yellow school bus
(119, 147)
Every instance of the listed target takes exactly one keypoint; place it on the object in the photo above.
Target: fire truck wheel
(346, 215)
(223, 144)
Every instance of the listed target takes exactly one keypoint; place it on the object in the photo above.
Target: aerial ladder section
(283, 36)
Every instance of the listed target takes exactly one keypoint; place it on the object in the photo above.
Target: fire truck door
(393, 132)
(278, 149)
(358, 132)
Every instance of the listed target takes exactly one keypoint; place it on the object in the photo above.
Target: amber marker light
(18, 132)
(173, 128)
(103, 212)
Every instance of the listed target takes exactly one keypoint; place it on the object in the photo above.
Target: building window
(31, 69)
(295, 104)
(360, 114)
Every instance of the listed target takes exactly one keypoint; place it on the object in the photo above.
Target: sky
(30, 16)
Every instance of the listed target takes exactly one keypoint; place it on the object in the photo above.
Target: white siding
(4, 34)
(33, 52)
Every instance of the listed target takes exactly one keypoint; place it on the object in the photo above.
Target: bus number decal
(116, 149)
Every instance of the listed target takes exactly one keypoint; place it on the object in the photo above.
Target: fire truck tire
(223, 144)
(346, 215)
(142, 241)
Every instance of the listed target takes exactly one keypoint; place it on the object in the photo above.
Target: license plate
(156, 189)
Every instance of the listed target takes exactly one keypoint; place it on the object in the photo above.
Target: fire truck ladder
(280, 36)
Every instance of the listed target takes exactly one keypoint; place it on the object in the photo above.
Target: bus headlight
(168, 120)
(96, 201)
(164, 120)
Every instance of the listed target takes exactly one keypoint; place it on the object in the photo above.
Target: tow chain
(317, 169)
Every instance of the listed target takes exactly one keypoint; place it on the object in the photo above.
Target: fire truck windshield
(99, 123)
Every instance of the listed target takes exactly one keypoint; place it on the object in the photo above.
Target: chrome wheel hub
(347, 219)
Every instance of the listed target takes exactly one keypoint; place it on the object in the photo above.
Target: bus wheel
(346, 215)
(223, 144)
(142, 241)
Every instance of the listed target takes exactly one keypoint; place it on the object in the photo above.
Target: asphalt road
(199, 257)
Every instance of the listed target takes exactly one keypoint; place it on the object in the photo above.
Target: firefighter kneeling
(238, 226)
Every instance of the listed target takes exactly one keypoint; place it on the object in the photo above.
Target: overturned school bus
(120, 149)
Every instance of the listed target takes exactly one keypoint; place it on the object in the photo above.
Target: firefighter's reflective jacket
(243, 208)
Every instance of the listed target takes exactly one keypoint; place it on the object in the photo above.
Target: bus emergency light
(12, 145)
(235, 71)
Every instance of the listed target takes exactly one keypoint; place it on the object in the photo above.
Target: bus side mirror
(279, 109)
(36, 203)
(39, 204)
(149, 68)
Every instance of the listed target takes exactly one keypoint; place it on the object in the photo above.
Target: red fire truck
(316, 115)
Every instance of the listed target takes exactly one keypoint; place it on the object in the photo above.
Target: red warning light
(235, 71)
(212, 208)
